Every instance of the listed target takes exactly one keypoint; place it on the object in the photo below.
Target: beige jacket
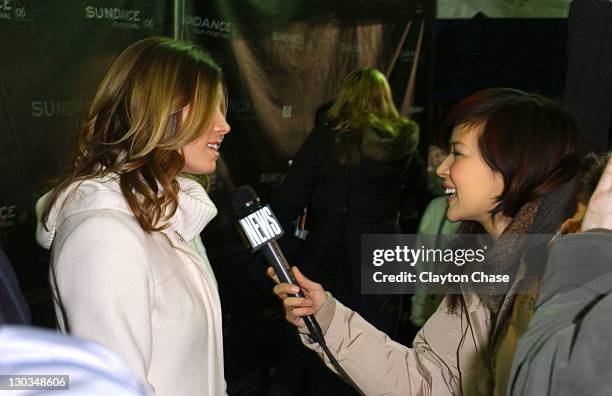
(150, 297)
(451, 354)
(448, 356)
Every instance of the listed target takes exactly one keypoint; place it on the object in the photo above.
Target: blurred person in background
(566, 349)
(71, 366)
(352, 172)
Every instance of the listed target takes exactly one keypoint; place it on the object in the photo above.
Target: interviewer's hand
(599, 210)
(296, 307)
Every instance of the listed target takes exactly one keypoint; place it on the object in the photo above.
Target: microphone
(262, 229)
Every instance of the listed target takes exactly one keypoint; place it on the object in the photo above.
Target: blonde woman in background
(352, 173)
(129, 270)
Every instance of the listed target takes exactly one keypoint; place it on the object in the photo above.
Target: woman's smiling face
(473, 188)
(201, 155)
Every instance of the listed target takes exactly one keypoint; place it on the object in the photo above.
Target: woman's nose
(442, 170)
(223, 127)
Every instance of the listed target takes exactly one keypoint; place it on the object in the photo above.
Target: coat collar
(194, 212)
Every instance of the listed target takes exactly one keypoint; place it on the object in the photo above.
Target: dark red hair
(530, 140)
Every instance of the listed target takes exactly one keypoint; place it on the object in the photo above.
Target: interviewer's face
(471, 185)
(201, 154)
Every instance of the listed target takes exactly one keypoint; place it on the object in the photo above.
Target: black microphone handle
(275, 256)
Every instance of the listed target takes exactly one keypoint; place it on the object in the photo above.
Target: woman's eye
(456, 153)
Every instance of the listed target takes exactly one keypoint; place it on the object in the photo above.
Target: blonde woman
(129, 270)
(350, 173)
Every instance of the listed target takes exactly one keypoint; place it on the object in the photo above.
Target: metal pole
(178, 17)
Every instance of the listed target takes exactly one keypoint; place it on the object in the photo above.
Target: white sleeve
(105, 285)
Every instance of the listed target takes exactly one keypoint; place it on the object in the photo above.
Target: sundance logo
(240, 106)
(350, 47)
(407, 55)
(271, 178)
(209, 26)
(126, 18)
(240, 109)
(11, 215)
(290, 39)
(12, 10)
(57, 108)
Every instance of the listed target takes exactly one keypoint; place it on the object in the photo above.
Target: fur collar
(543, 216)
(379, 144)
(383, 145)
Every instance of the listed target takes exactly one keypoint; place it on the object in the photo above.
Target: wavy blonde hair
(364, 102)
(135, 126)
(365, 92)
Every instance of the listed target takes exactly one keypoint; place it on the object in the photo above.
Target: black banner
(281, 60)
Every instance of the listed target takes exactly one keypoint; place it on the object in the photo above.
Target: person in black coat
(13, 307)
(351, 173)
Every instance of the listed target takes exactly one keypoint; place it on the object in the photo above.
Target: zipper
(180, 237)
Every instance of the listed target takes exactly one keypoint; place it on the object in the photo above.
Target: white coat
(150, 297)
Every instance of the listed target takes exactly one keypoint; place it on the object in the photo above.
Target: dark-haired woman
(511, 172)
(129, 270)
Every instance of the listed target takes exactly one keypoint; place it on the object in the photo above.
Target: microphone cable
(274, 254)
(343, 374)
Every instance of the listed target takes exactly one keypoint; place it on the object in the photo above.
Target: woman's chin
(201, 170)
(451, 216)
